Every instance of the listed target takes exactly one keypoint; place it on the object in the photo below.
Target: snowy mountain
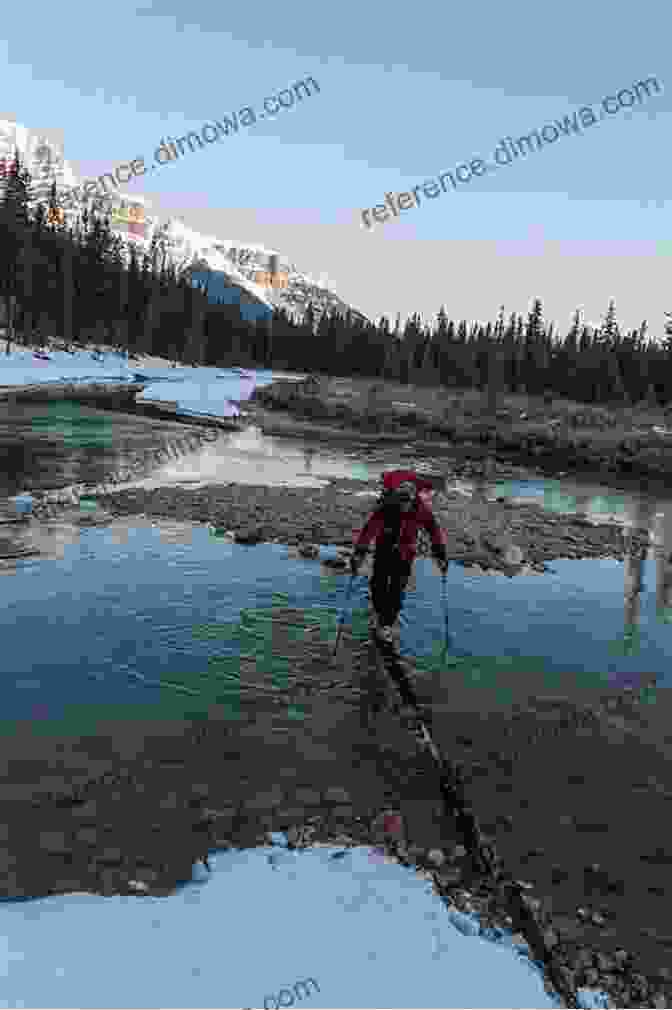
(256, 277)
(264, 275)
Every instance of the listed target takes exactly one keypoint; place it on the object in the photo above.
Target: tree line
(513, 355)
(84, 283)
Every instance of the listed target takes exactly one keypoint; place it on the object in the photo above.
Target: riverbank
(478, 533)
(548, 433)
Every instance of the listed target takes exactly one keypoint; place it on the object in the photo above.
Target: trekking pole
(341, 619)
(448, 641)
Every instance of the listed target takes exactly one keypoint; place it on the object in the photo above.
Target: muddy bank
(139, 801)
(48, 446)
(550, 434)
(107, 394)
(478, 533)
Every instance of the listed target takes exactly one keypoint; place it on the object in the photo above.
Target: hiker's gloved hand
(355, 562)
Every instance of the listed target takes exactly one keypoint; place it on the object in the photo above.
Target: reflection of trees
(663, 556)
(640, 519)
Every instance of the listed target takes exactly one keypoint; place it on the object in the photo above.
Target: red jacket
(420, 516)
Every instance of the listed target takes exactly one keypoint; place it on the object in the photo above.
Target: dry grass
(616, 435)
(466, 410)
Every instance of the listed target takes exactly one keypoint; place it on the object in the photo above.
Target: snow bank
(23, 368)
(197, 391)
(264, 922)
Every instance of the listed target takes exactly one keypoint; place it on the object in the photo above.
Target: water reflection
(599, 504)
(250, 457)
(48, 446)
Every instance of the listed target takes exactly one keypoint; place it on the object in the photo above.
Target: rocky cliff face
(265, 275)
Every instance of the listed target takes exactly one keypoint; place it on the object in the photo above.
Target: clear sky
(405, 94)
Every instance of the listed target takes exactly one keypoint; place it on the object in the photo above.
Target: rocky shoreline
(479, 534)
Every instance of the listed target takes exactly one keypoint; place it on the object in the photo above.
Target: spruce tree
(17, 259)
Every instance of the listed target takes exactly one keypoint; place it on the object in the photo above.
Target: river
(95, 589)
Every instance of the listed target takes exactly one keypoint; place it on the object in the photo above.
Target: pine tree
(495, 367)
(55, 213)
(609, 330)
(17, 260)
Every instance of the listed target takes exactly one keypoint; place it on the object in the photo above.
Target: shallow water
(124, 614)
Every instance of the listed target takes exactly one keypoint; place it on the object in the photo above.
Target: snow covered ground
(195, 390)
(21, 367)
(368, 932)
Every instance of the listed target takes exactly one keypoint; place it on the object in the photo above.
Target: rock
(639, 985)
(264, 801)
(87, 835)
(223, 812)
(109, 882)
(54, 842)
(88, 809)
(513, 555)
(415, 853)
(292, 815)
(138, 885)
(310, 797)
(343, 811)
(335, 794)
(249, 536)
(337, 562)
(436, 856)
(110, 856)
(550, 937)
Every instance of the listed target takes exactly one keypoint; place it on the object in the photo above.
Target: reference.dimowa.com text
(510, 149)
(217, 130)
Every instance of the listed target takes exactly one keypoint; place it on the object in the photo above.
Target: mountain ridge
(257, 277)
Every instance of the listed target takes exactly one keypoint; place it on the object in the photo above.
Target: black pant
(388, 581)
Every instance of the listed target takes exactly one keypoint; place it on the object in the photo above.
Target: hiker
(394, 526)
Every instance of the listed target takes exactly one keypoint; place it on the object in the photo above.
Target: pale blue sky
(405, 94)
